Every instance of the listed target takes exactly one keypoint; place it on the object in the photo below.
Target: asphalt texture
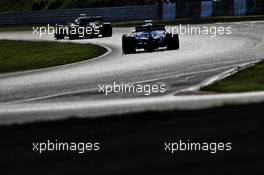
(49, 91)
(135, 143)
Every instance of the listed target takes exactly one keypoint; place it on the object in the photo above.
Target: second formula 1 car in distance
(149, 37)
(84, 27)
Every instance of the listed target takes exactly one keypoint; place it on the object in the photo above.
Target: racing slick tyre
(107, 30)
(73, 36)
(73, 33)
(59, 32)
(58, 37)
(173, 42)
(128, 44)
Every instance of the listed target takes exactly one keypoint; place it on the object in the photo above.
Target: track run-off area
(72, 90)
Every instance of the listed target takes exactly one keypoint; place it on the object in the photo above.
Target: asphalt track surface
(72, 90)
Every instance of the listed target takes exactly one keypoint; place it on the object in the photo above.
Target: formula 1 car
(149, 37)
(84, 27)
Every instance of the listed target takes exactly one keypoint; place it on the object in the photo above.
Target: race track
(46, 92)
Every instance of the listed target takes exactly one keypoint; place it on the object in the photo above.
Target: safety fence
(179, 9)
(208, 8)
(65, 15)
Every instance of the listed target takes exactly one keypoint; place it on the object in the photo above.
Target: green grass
(251, 79)
(28, 55)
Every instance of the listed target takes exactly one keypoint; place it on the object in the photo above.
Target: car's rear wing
(92, 18)
(150, 28)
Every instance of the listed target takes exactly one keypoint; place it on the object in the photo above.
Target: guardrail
(203, 8)
(66, 15)
(207, 8)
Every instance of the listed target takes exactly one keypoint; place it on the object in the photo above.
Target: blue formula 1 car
(149, 37)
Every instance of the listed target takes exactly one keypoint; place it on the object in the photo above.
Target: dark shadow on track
(140, 51)
(134, 144)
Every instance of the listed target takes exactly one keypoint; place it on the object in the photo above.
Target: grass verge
(28, 55)
(251, 79)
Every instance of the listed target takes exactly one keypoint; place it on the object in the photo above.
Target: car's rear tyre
(59, 32)
(128, 44)
(73, 37)
(73, 33)
(58, 37)
(173, 42)
(107, 30)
